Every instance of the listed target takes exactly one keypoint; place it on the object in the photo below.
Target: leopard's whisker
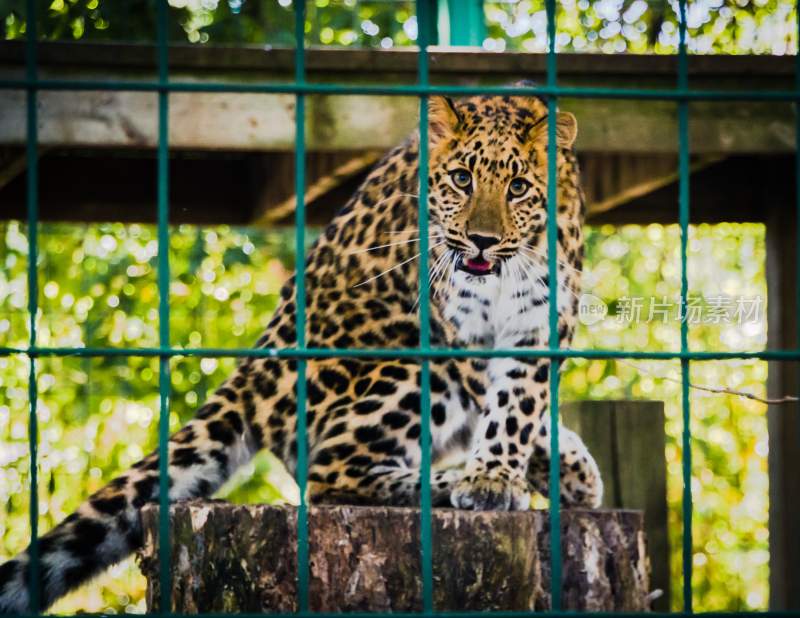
(438, 267)
(444, 287)
(432, 274)
(530, 266)
(562, 287)
(452, 257)
(451, 281)
(413, 230)
(388, 244)
(541, 254)
(511, 269)
(396, 266)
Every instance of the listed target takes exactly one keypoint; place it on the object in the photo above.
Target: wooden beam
(341, 169)
(783, 422)
(246, 121)
(615, 180)
(201, 182)
(256, 60)
(214, 121)
(731, 190)
(13, 162)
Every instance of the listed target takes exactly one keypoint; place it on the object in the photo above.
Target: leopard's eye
(518, 187)
(462, 179)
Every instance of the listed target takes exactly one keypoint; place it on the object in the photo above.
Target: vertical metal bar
(683, 217)
(300, 304)
(32, 156)
(797, 166)
(797, 171)
(164, 545)
(426, 540)
(552, 268)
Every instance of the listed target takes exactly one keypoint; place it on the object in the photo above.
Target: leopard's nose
(482, 241)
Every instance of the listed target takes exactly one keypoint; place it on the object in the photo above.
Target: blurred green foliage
(98, 287)
(98, 416)
(611, 26)
(730, 484)
(645, 26)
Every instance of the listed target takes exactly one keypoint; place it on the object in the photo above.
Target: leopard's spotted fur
(490, 418)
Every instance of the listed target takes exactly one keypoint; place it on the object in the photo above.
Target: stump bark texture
(235, 558)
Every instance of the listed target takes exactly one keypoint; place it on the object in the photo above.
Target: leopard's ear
(443, 117)
(566, 129)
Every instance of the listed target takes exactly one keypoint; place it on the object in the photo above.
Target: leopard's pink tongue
(479, 265)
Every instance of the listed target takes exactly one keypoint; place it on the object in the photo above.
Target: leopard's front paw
(484, 492)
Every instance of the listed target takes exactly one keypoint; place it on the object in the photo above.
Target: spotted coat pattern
(489, 288)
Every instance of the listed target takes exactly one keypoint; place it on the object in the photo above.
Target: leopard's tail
(107, 527)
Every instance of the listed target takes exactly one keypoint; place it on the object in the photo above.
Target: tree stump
(236, 558)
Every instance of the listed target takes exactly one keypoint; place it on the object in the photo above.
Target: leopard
(489, 288)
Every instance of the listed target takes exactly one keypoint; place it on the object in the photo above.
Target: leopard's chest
(499, 311)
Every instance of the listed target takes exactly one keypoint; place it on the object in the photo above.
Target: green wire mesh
(682, 95)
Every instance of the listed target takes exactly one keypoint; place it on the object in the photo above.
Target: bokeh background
(100, 415)
(98, 288)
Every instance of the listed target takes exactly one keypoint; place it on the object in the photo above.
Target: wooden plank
(241, 122)
(231, 121)
(626, 438)
(444, 60)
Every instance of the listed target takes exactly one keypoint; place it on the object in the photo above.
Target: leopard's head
(488, 178)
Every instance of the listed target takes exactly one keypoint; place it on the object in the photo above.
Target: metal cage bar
(301, 473)
(671, 94)
(164, 382)
(426, 541)
(554, 486)
(681, 94)
(308, 353)
(683, 220)
(32, 187)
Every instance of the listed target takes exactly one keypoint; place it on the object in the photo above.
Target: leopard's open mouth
(479, 266)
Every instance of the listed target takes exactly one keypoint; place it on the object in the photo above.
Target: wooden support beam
(729, 190)
(212, 121)
(783, 421)
(259, 122)
(326, 174)
(13, 162)
(248, 185)
(615, 180)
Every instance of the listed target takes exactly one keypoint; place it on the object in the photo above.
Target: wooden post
(783, 421)
(627, 439)
(237, 558)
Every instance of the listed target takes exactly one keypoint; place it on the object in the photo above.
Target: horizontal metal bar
(416, 353)
(457, 614)
(670, 94)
